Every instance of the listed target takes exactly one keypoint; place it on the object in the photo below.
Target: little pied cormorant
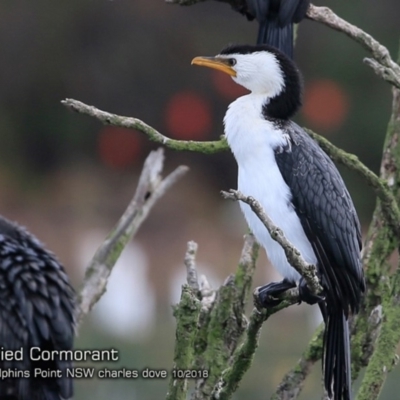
(276, 19)
(300, 189)
(37, 305)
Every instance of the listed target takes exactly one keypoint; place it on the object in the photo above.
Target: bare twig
(150, 188)
(153, 135)
(382, 63)
(308, 271)
(190, 264)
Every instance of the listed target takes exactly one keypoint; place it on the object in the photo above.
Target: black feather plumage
(276, 19)
(37, 306)
(329, 219)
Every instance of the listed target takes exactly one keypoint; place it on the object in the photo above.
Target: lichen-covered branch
(389, 204)
(150, 188)
(187, 314)
(308, 271)
(244, 354)
(380, 185)
(190, 264)
(152, 134)
(383, 358)
(213, 333)
(376, 342)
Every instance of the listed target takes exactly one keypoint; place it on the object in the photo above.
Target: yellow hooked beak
(221, 64)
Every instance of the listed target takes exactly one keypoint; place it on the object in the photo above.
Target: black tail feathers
(336, 361)
(273, 34)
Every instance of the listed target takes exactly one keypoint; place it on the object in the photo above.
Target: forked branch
(150, 189)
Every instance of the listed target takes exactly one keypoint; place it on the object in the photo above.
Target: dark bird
(276, 19)
(300, 189)
(37, 306)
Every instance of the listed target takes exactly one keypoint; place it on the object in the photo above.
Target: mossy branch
(187, 314)
(380, 186)
(384, 357)
(243, 356)
(214, 335)
(381, 337)
(380, 243)
(152, 134)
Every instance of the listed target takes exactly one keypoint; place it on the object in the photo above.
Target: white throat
(253, 139)
(247, 131)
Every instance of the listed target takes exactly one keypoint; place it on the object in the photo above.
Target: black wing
(327, 215)
(276, 18)
(36, 310)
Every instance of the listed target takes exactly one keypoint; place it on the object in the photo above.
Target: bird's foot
(306, 295)
(266, 296)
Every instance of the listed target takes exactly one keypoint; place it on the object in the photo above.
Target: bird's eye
(231, 62)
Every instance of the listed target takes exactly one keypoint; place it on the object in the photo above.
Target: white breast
(252, 140)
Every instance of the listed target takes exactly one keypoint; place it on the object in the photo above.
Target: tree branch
(293, 381)
(187, 314)
(210, 324)
(383, 65)
(150, 188)
(383, 358)
(107, 118)
(381, 187)
(308, 271)
(379, 246)
(383, 288)
(243, 357)
(389, 204)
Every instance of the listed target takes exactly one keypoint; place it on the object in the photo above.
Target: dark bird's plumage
(330, 222)
(36, 310)
(276, 19)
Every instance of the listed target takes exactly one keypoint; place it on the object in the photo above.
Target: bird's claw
(266, 296)
(306, 295)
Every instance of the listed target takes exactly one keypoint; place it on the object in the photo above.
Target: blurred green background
(68, 178)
